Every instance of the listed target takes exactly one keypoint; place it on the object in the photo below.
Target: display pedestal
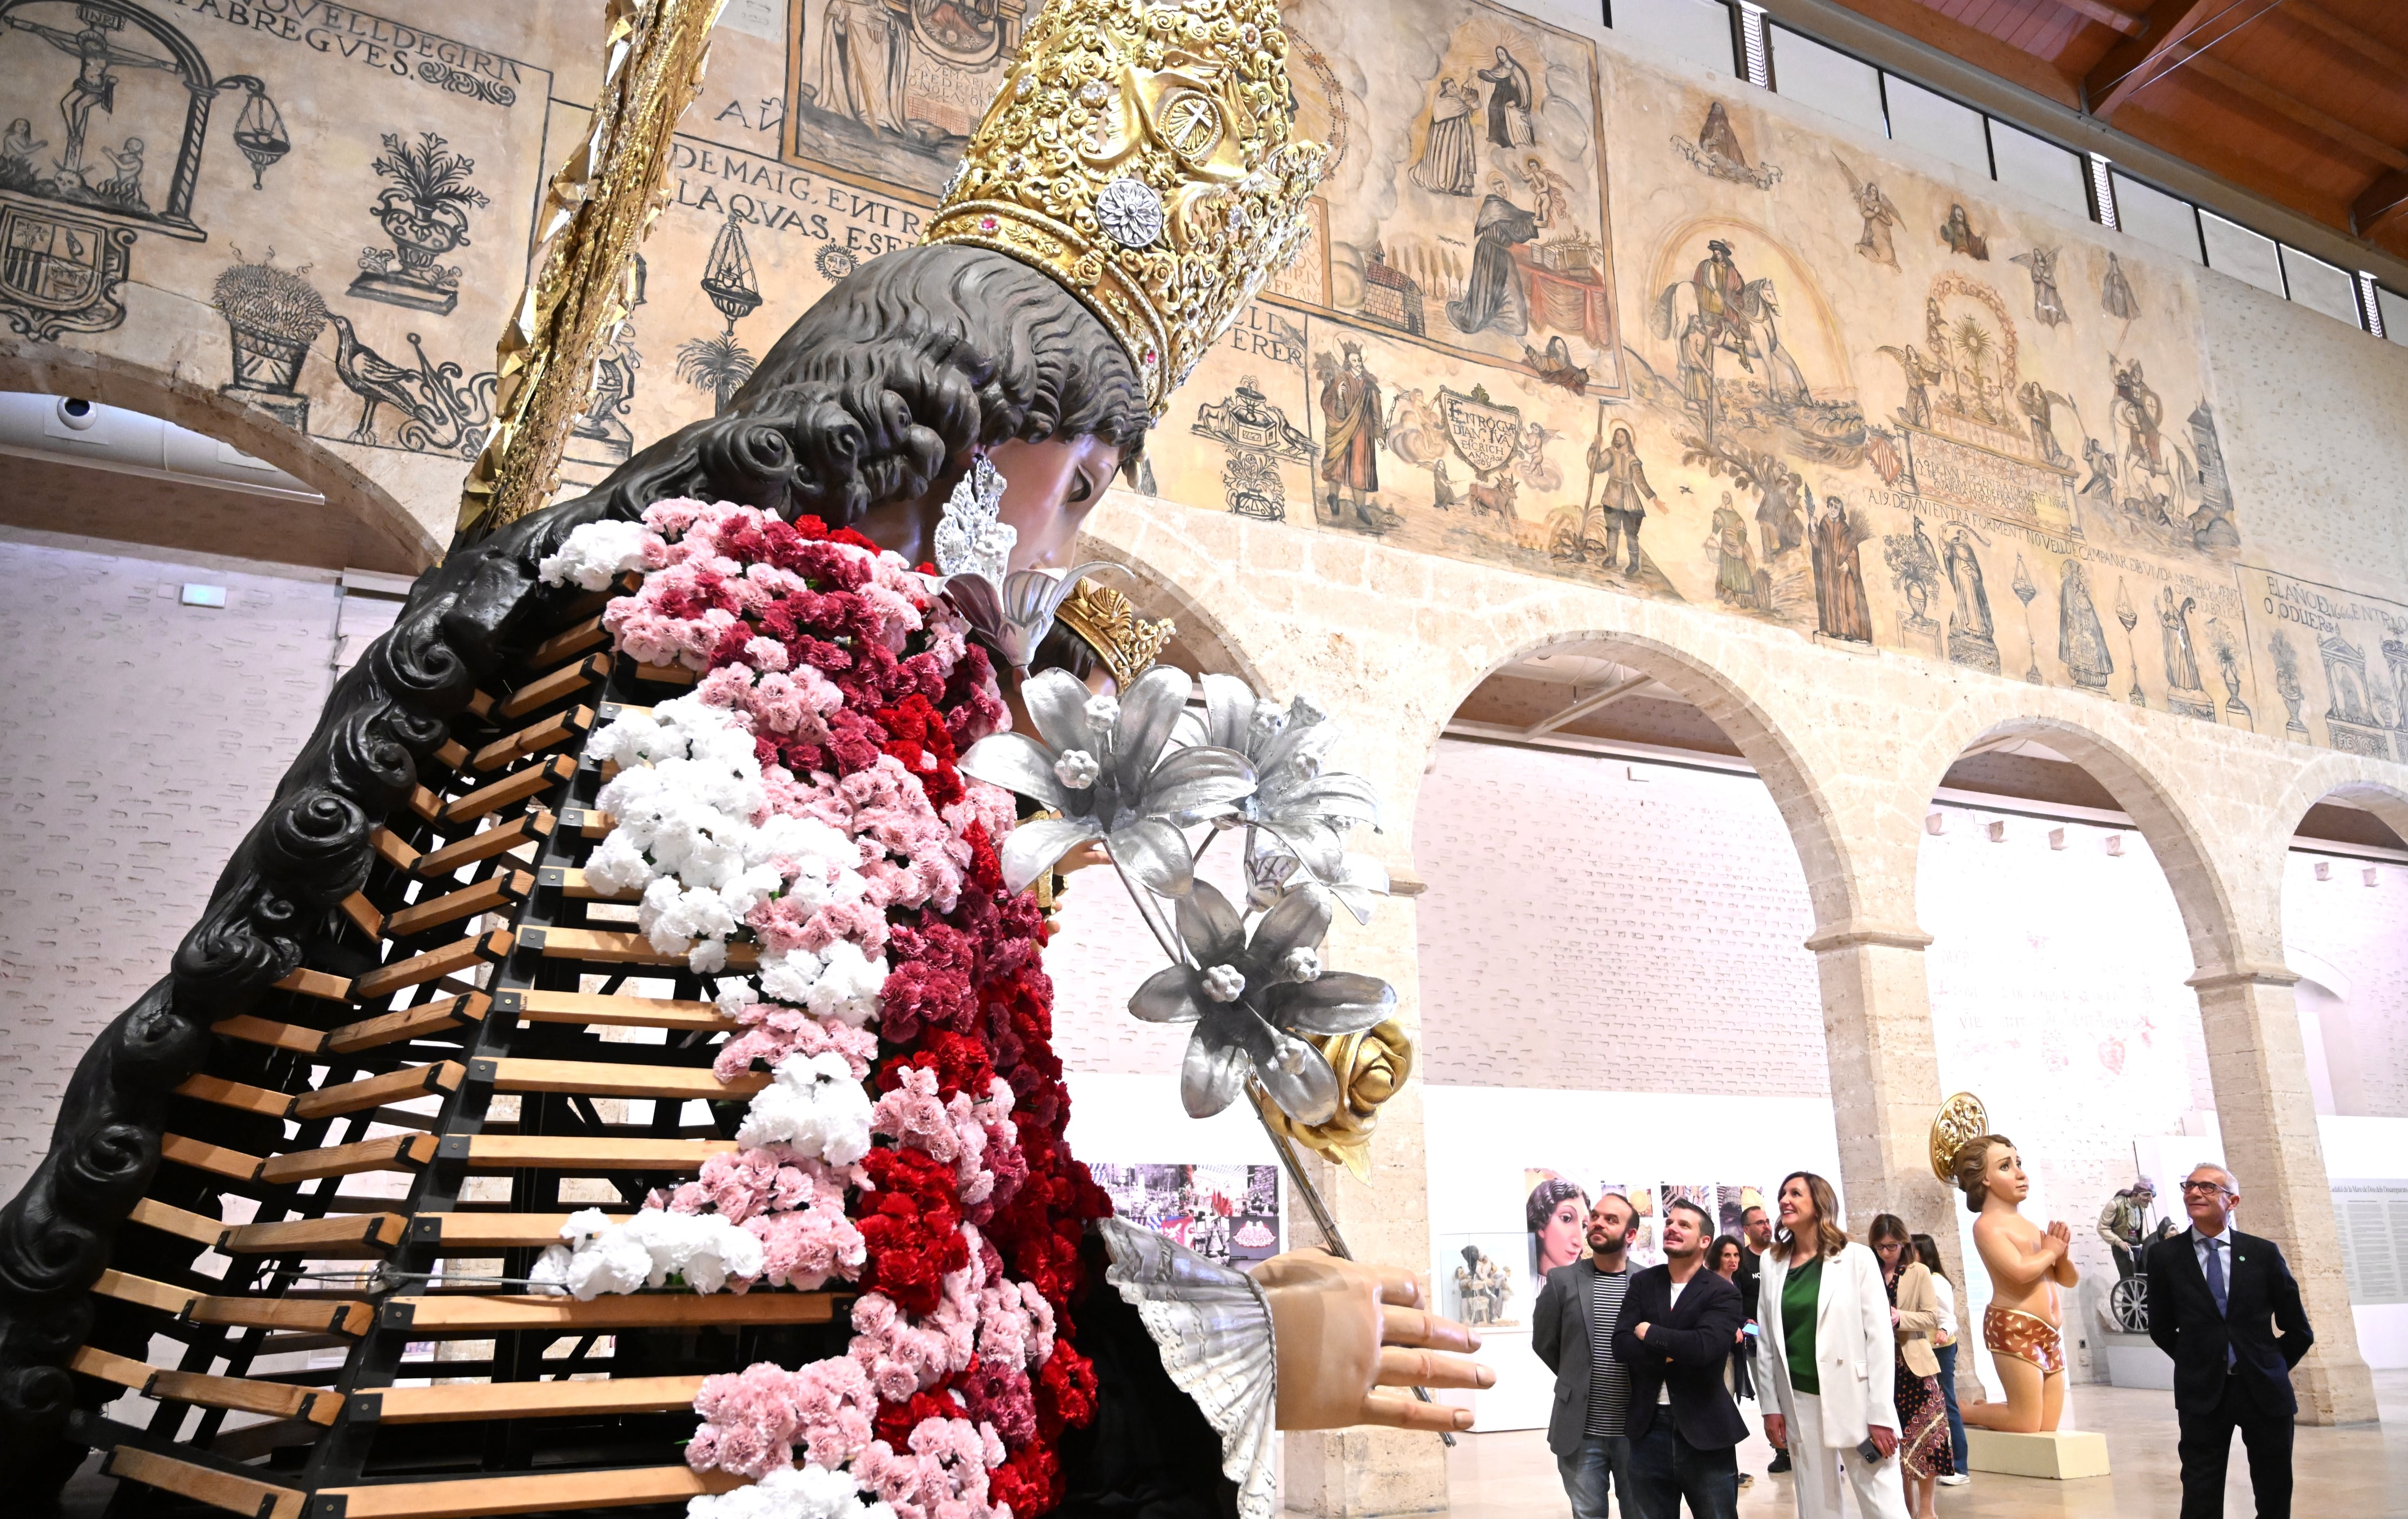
(2063, 1456)
(2135, 1361)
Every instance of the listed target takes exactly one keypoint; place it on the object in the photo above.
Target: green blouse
(1800, 1291)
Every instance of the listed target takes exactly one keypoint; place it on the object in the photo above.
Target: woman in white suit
(1825, 1359)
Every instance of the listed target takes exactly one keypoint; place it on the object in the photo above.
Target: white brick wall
(143, 738)
(1597, 923)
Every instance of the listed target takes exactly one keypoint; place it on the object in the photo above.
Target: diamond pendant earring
(972, 539)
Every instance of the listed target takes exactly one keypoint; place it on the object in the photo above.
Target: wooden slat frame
(545, 690)
(245, 1394)
(386, 1153)
(245, 1496)
(615, 1010)
(533, 739)
(317, 983)
(375, 1091)
(216, 1159)
(617, 947)
(534, 828)
(451, 959)
(478, 1498)
(324, 1315)
(409, 1023)
(238, 1095)
(585, 1154)
(458, 1402)
(515, 787)
(458, 1232)
(570, 882)
(393, 848)
(494, 894)
(606, 1079)
(335, 1236)
(573, 639)
(476, 1312)
(182, 1223)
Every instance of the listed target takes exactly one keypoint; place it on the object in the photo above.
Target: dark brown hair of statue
(879, 389)
(1830, 1238)
(1973, 1160)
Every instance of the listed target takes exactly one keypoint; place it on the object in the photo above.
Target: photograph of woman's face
(1559, 1237)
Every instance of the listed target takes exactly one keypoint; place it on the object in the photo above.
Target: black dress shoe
(1779, 1464)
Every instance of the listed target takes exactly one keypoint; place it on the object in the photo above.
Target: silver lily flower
(1014, 618)
(1271, 872)
(1106, 766)
(1250, 997)
(1305, 808)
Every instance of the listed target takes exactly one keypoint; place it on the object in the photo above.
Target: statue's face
(1049, 488)
(2003, 1172)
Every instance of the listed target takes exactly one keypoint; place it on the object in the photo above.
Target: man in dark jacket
(2216, 1298)
(1675, 1332)
(1572, 1330)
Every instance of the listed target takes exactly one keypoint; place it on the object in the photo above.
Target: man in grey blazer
(1573, 1331)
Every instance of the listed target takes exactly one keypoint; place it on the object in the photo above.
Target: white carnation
(839, 982)
(595, 554)
(814, 1104)
(804, 1492)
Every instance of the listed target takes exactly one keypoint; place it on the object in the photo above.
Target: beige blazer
(1918, 1319)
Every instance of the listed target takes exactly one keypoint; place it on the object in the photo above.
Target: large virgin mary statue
(702, 754)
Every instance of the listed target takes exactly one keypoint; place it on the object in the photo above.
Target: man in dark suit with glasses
(2216, 1298)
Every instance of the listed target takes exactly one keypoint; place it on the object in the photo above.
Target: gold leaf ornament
(1170, 108)
(1962, 1117)
(1372, 1068)
(595, 214)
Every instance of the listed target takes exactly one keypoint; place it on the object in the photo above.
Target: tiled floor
(2341, 1473)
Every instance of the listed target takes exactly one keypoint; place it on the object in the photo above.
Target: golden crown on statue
(1140, 152)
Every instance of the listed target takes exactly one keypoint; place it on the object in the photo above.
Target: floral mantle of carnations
(806, 800)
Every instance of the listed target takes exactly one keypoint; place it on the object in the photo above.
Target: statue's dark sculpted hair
(889, 379)
(870, 398)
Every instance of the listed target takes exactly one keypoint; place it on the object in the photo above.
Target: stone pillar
(1355, 1473)
(2269, 1123)
(1885, 1077)
(1368, 1470)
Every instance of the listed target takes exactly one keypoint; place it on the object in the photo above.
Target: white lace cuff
(1212, 1326)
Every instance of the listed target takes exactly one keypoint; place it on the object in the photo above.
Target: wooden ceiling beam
(2207, 65)
(2132, 62)
(2104, 14)
(2387, 197)
(2371, 48)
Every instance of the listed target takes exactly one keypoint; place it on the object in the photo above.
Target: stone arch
(2217, 929)
(1822, 845)
(376, 531)
(1204, 644)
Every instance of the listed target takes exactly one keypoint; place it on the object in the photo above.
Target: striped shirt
(1608, 1380)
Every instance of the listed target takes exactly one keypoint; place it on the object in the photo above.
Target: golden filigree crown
(1139, 153)
(1109, 622)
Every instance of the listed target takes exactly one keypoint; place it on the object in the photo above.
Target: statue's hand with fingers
(1345, 1333)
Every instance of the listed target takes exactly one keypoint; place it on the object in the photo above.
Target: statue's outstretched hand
(1345, 1330)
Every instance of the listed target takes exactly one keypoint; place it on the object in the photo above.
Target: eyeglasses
(2209, 1186)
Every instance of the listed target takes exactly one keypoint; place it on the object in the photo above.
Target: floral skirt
(1923, 1445)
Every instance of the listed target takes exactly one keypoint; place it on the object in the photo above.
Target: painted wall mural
(1870, 407)
(1559, 312)
(326, 180)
